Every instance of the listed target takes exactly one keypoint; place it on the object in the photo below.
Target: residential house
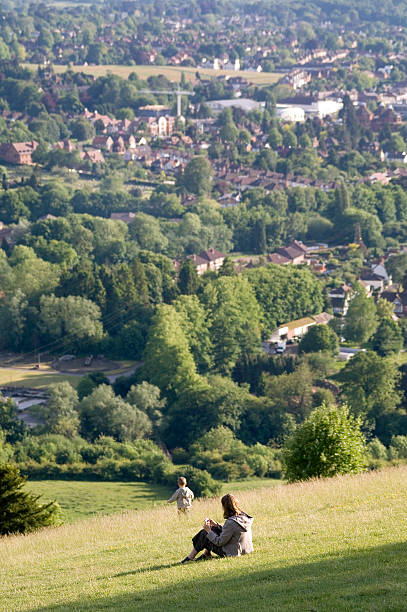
(293, 329)
(323, 318)
(295, 253)
(340, 298)
(93, 155)
(399, 301)
(18, 152)
(103, 142)
(278, 259)
(375, 278)
(299, 327)
(162, 126)
(201, 264)
(65, 145)
(213, 257)
(119, 145)
(396, 156)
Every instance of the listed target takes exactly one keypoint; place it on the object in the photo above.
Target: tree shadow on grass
(370, 580)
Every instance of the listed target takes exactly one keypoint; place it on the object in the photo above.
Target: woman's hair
(230, 506)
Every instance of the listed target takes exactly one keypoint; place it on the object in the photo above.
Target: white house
(295, 114)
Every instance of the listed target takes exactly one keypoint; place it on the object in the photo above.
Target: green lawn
(173, 73)
(28, 377)
(336, 545)
(34, 378)
(80, 500)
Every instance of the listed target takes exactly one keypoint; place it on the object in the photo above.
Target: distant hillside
(338, 544)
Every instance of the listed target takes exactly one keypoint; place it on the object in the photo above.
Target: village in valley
(203, 300)
(203, 210)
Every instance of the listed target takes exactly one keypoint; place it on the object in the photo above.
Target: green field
(173, 73)
(80, 500)
(34, 378)
(333, 545)
(28, 376)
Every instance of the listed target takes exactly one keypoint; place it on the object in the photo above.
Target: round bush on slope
(329, 442)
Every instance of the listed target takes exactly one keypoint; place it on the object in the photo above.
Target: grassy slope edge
(337, 544)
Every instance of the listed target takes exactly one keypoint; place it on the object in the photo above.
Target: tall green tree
(20, 511)
(285, 293)
(259, 236)
(197, 177)
(60, 413)
(369, 385)
(291, 391)
(169, 363)
(146, 231)
(104, 414)
(90, 382)
(341, 199)
(319, 338)
(234, 320)
(14, 429)
(388, 338)
(360, 320)
(188, 279)
(147, 398)
(13, 319)
(196, 327)
(73, 320)
(197, 410)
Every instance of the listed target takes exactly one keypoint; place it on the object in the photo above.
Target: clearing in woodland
(328, 545)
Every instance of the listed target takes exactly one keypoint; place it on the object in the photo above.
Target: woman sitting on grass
(231, 540)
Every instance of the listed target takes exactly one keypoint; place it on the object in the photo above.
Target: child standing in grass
(183, 496)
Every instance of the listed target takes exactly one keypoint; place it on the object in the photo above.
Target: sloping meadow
(336, 544)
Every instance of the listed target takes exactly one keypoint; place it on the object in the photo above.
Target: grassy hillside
(333, 545)
(80, 500)
(173, 73)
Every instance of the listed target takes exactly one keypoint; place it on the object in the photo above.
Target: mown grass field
(332, 545)
(80, 500)
(34, 378)
(173, 73)
(26, 376)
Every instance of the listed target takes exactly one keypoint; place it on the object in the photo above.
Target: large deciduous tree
(74, 320)
(286, 293)
(103, 413)
(60, 413)
(319, 338)
(169, 363)
(234, 320)
(195, 325)
(197, 177)
(370, 385)
(388, 338)
(360, 320)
